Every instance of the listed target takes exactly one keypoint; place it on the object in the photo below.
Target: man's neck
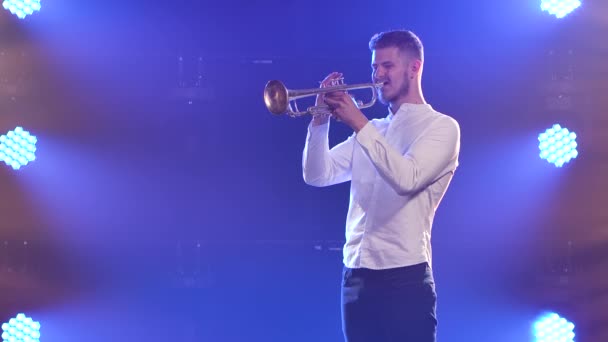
(414, 96)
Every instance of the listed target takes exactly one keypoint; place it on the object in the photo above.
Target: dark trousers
(397, 304)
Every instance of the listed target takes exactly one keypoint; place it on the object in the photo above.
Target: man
(400, 167)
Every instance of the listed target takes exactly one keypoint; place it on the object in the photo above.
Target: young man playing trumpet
(400, 167)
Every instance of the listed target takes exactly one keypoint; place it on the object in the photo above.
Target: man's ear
(415, 65)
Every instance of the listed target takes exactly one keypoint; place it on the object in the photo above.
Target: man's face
(390, 66)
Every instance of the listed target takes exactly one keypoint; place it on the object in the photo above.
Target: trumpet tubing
(278, 98)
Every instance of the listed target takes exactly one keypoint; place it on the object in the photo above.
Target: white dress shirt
(400, 167)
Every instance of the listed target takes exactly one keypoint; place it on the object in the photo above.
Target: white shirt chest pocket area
(402, 137)
(403, 144)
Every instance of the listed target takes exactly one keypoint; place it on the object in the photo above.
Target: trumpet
(278, 98)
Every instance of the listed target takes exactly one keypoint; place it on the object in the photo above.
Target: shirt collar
(407, 109)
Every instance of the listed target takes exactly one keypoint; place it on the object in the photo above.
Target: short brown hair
(405, 40)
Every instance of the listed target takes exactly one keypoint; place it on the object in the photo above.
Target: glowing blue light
(553, 328)
(17, 148)
(21, 8)
(559, 8)
(21, 329)
(557, 145)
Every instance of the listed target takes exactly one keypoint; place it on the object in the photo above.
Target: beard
(392, 95)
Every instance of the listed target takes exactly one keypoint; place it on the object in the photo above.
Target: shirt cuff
(317, 128)
(317, 134)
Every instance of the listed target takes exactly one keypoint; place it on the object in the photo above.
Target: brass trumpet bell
(276, 97)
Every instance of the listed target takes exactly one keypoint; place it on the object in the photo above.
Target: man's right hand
(322, 119)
